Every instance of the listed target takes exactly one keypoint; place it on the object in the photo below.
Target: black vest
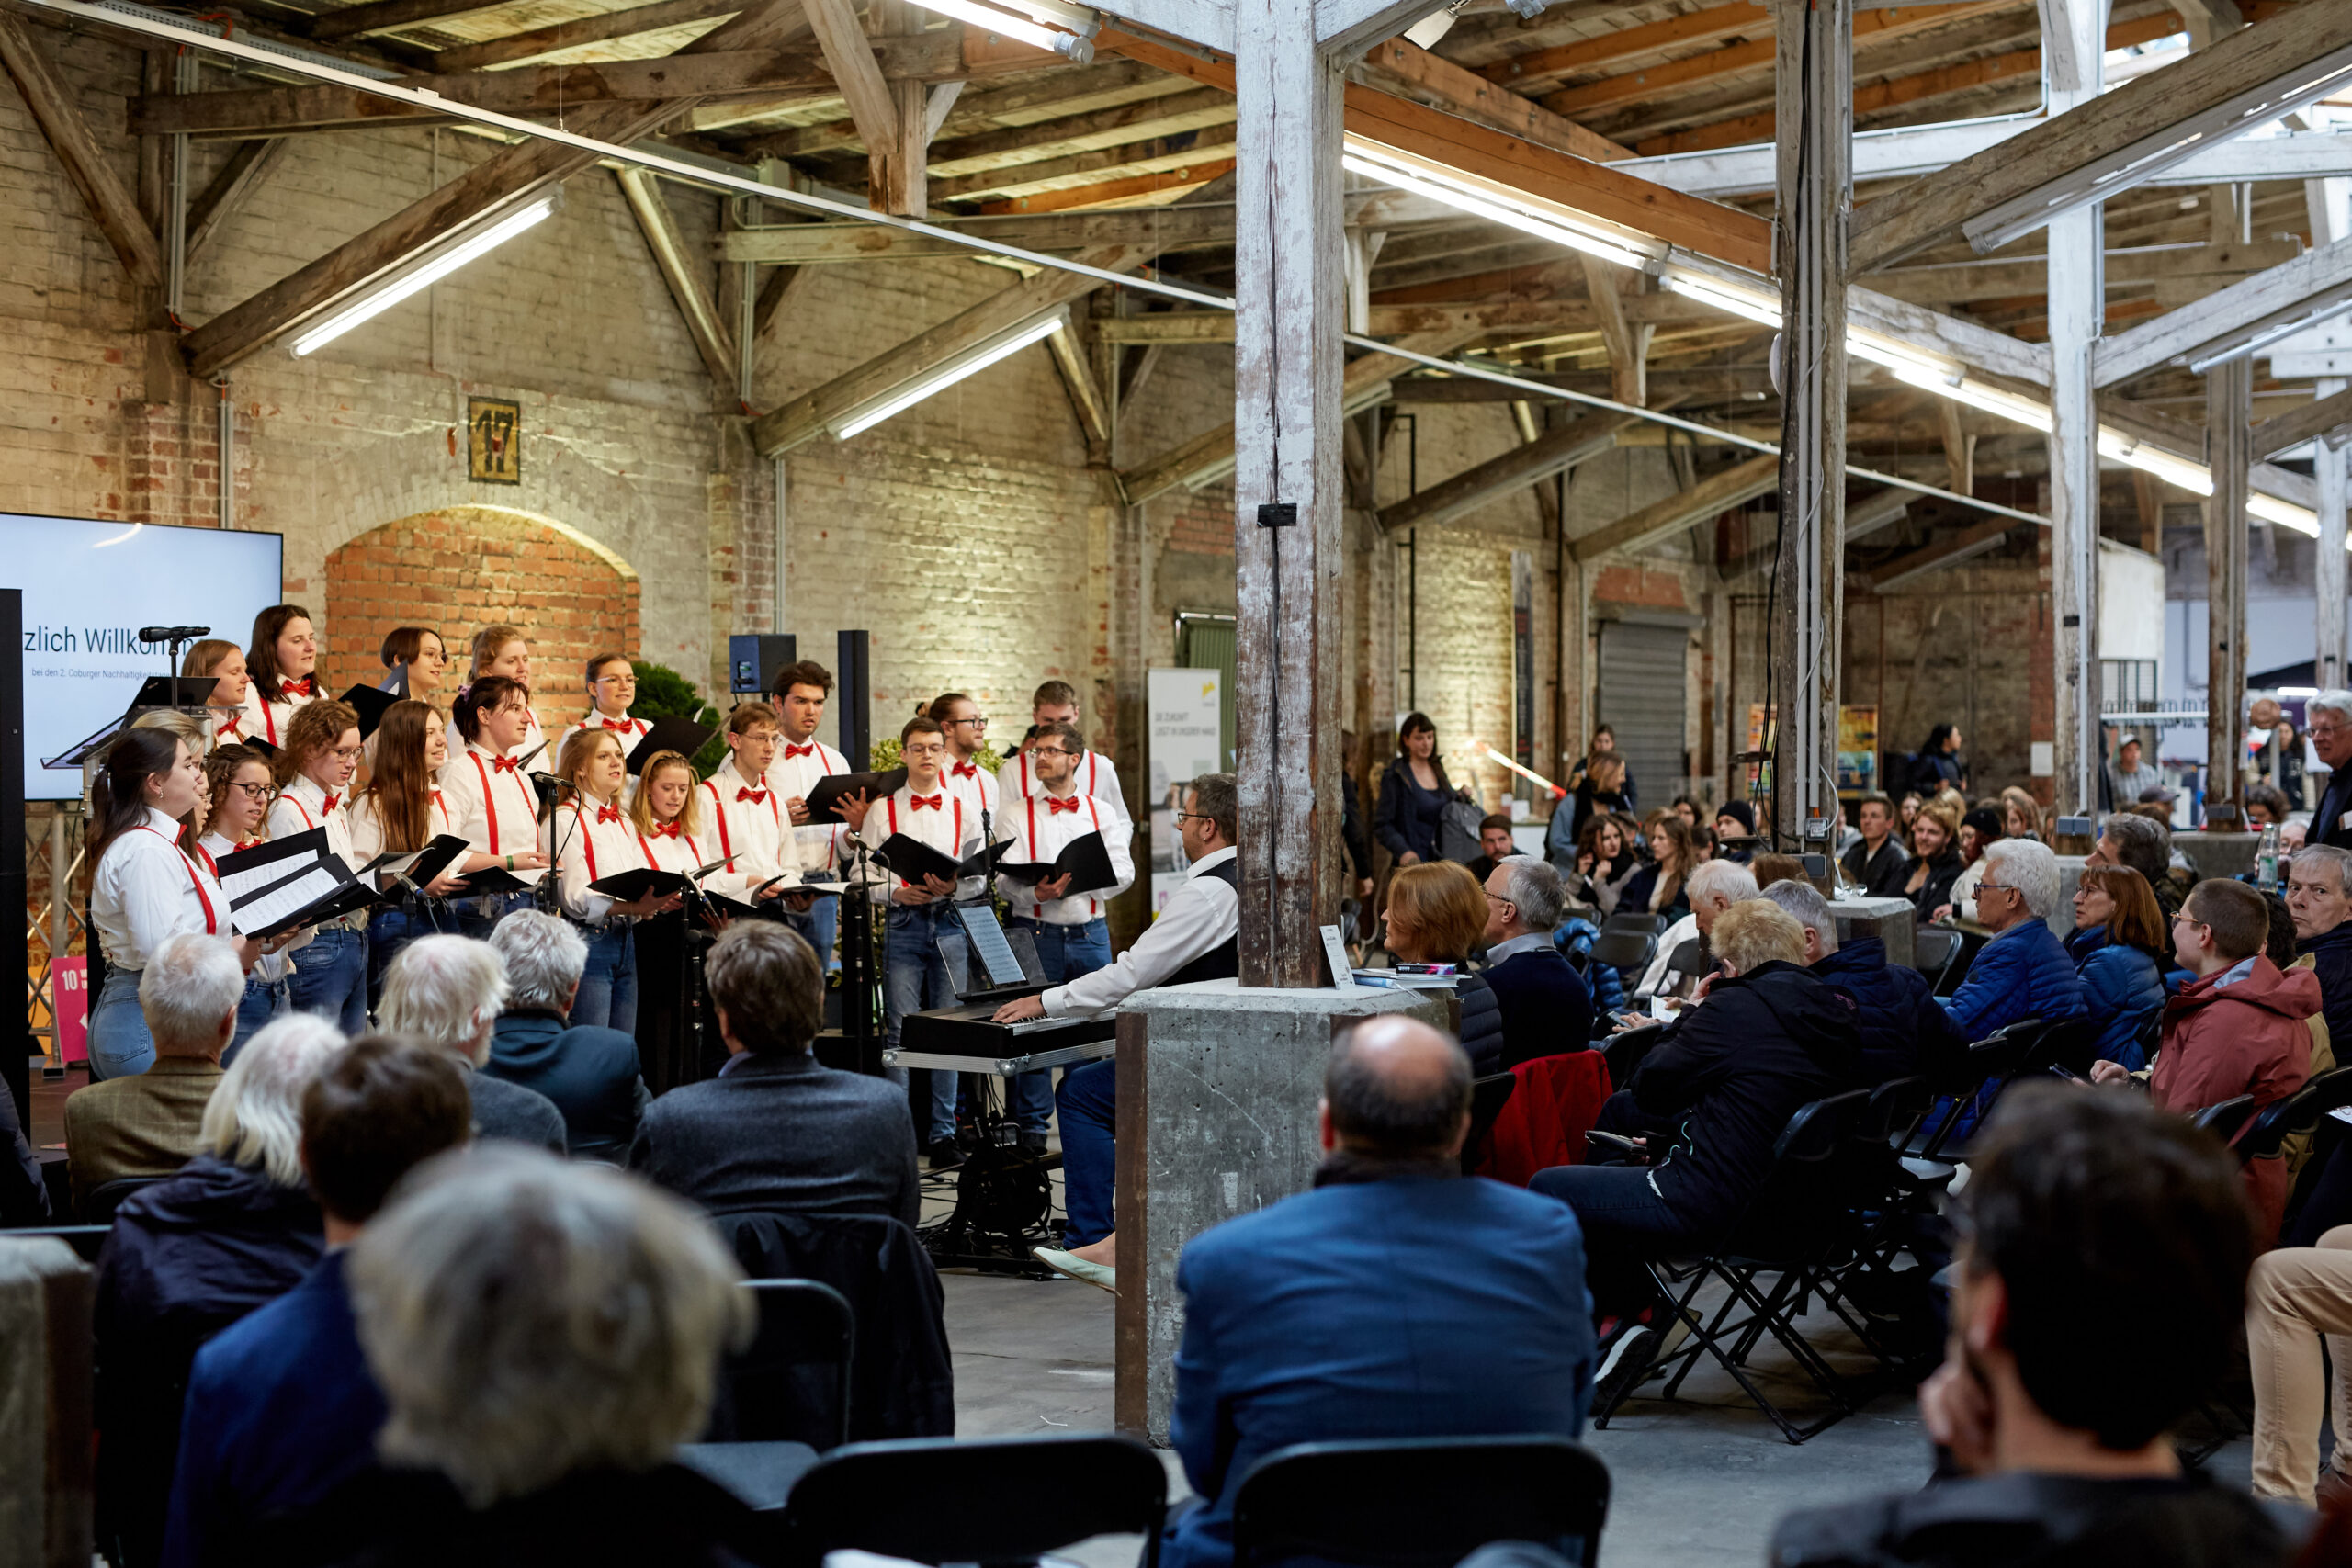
(1222, 962)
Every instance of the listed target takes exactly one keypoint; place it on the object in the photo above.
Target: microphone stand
(548, 896)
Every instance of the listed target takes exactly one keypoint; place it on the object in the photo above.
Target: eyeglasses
(2186, 919)
(1193, 817)
(348, 753)
(260, 792)
(1053, 751)
(980, 723)
(615, 681)
(1494, 897)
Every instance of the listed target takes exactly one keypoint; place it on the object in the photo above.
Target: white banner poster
(1182, 745)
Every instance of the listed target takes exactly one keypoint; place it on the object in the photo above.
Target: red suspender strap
(649, 853)
(726, 846)
(1090, 761)
(891, 802)
(489, 800)
(295, 801)
(587, 840)
(269, 721)
(1094, 907)
(211, 920)
(209, 863)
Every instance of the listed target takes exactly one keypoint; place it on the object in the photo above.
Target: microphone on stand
(173, 634)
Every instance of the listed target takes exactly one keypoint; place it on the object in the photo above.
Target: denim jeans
(1090, 1105)
(265, 999)
(476, 915)
(388, 931)
(331, 979)
(608, 984)
(1064, 952)
(121, 1047)
(824, 919)
(915, 977)
(1625, 1223)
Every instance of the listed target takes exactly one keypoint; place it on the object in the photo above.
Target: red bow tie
(667, 829)
(621, 723)
(328, 804)
(927, 802)
(792, 751)
(964, 770)
(253, 844)
(307, 686)
(506, 764)
(229, 728)
(756, 796)
(610, 813)
(1053, 804)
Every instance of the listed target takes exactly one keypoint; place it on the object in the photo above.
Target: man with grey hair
(546, 1334)
(2141, 844)
(447, 992)
(1903, 1031)
(151, 1124)
(1714, 885)
(2024, 972)
(2319, 897)
(592, 1073)
(2328, 722)
(1375, 1305)
(1546, 1009)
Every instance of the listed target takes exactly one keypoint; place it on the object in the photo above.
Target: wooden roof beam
(1638, 529)
(2327, 419)
(112, 205)
(1555, 451)
(538, 43)
(2243, 308)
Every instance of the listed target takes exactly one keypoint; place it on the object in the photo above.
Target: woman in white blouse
(402, 810)
(591, 838)
(145, 888)
(314, 769)
(241, 790)
(491, 804)
(224, 661)
(282, 664)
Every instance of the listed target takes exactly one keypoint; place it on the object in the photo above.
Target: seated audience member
(2144, 844)
(1980, 829)
(1545, 1003)
(447, 991)
(1396, 1300)
(2024, 971)
(591, 1074)
(193, 1254)
(2120, 947)
(2238, 1028)
(546, 1335)
(1766, 1037)
(1936, 863)
(2266, 806)
(150, 1124)
(1771, 868)
(2021, 813)
(2295, 1149)
(1661, 887)
(1436, 912)
(2085, 1209)
(281, 1407)
(2319, 897)
(1735, 831)
(1903, 1031)
(1878, 864)
(777, 1129)
(2297, 1294)
(1494, 846)
(1715, 885)
(1605, 864)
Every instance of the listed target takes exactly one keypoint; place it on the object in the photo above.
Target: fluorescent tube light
(2286, 323)
(2195, 477)
(946, 374)
(1068, 45)
(1497, 204)
(2285, 513)
(1764, 310)
(423, 273)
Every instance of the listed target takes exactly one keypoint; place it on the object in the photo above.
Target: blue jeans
(121, 1047)
(824, 919)
(914, 977)
(388, 931)
(1064, 952)
(478, 914)
(1090, 1107)
(331, 979)
(608, 984)
(264, 1000)
(1625, 1223)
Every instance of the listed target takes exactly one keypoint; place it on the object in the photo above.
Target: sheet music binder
(1087, 858)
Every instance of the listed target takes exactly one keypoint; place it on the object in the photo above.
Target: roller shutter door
(1643, 690)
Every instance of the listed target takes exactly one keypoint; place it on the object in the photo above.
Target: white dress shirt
(1041, 832)
(493, 807)
(1097, 777)
(976, 786)
(303, 804)
(270, 967)
(367, 833)
(587, 842)
(793, 773)
(756, 832)
(681, 851)
(532, 739)
(266, 719)
(1202, 915)
(946, 828)
(228, 727)
(146, 890)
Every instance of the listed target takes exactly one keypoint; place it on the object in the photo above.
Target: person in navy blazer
(1545, 1004)
(1399, 1299)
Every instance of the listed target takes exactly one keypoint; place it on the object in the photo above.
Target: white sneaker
(1077, 1268)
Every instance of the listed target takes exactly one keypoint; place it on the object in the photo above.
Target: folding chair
(1488, 1097)
(1932, 952)
(98, 1207)
(1000, 1501)
(1624, 1051)
(1684, 967)
(1799, 1227)
(1420, 1502)
(2298, 1113)
(1643, 923)
(2229, 1118)
(2027, 1048)
(1628, 952)
(792, 1384)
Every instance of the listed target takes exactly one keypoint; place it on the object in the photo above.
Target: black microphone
(173, 634)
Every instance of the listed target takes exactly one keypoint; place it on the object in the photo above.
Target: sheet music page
(263, 911)
(988, 941)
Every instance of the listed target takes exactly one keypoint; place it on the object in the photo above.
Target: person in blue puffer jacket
(2023, 972)
(2118, 931)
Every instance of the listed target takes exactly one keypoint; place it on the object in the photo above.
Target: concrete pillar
(2229, 395)
(2075, 40)
(1218, 1091)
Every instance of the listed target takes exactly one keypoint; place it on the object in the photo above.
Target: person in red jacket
(2237, 1029)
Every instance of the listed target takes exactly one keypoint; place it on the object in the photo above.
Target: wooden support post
(1812, 93)
(2150, 507)
(682, 269)
(1290, 295)
(1960, 450)
(2073, 32)
(113, 206)
(2229, 393)
(1629, 346)
(2328, 624)
(220, 200)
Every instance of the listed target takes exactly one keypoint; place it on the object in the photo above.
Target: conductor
(1196, 938)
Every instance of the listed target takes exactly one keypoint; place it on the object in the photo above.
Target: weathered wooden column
(2327, 462)
(1290, 310)
(2229, 395)
(1814, 101)
(2073, 37)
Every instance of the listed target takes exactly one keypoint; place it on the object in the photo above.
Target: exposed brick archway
(463, 567)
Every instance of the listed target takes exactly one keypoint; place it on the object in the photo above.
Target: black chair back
(1420, 1502)
(85, 1240)
(990, 1500)
(2068, 1042)
(2151, 1035)
(1895, 1110)
(1687, 961)
(1933, 950)
(98, 1207)
(1628, 920)
(1808, 1184)
(792, 1384)
(2226, 1120)
(1488, 1097)
(2298, 1113)
(1624, 1051)
(1628, 952)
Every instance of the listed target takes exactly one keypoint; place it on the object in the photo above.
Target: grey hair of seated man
(2338, 702)
(1721, 882)
(543, 958)
(529, 1318)
(445, 991)
(1804, 901)
(2029, 867)
(1535, 887)
(2312, 857)
(192, 986)
(254, 1117)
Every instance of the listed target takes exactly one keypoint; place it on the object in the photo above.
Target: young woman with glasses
(314, 768)
(240, 791)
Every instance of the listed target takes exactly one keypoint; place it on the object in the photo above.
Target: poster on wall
(1181, 742)
(1858, 749)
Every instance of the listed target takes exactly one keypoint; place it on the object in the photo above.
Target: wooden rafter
(537, 43)
(1187, 177)
(799, 244)
(1552, 452)
(1629, 47)
(1735, 486)
(111, 203)
(2323, 418)
(683, 271)
(1183, 149)
(247, 164)
(1438, 82)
